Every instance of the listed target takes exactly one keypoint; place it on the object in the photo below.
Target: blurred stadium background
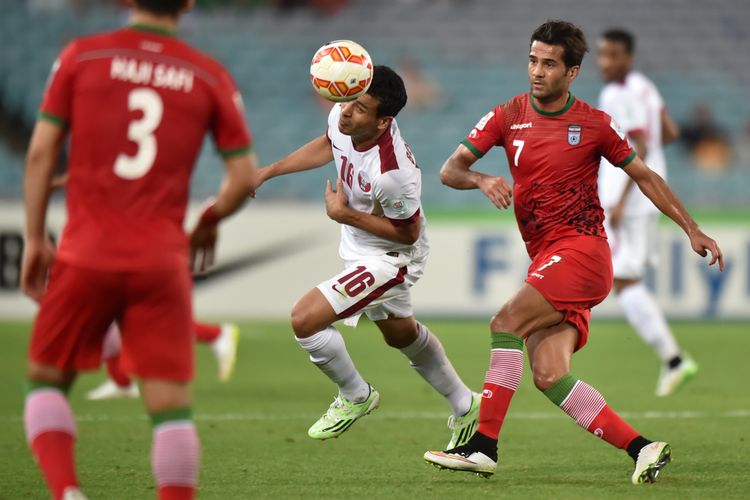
(460, 58)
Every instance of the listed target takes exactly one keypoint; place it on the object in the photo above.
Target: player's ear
(573, 72)
(384, 122)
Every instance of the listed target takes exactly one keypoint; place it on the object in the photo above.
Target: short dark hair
(161, 7)
(388, 88)
(565, 34)
(619, 35)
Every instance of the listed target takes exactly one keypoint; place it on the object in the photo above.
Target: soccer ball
(341, 71)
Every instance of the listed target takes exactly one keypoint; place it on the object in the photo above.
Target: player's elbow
(408, 234)
(447, 174)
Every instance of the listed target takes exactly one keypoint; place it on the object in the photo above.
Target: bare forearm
(242, 178)
(662, 196)
(36, 196)
(380, 226)
(456, 176)
(314, 154)
(44, 151)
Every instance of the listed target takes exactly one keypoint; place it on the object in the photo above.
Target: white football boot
(225, 350)
(651, 460)
(672, 379)
(110, 390)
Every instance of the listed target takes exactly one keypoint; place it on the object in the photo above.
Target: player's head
(615, 55)
(555, 55)
(371, 114)
(169, 8)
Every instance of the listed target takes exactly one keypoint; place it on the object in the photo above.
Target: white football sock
(328, 351)
(427, 356)
(645, 316)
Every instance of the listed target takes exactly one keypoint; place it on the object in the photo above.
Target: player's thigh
(550, 351)
(156, 325)
(311, 314)
(363, 287)
(74, 314)
(398, 332)
(527, 311)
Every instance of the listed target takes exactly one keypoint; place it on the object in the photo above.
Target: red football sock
(176, 493)
(500, 382)
(587, 406)
(206, 333)
(50, 432)
(115, 372)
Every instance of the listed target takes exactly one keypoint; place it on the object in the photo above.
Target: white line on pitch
(249, 417)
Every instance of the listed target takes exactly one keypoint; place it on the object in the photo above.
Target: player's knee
(51, 375)
(507, 320)
(302, 322)
(545, 377)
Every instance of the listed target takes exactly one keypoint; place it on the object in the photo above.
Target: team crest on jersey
(364, 183)
(399, 206)
(574, 135)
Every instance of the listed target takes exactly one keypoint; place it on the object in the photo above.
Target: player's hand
(203, 239)
(37, 260)
(58, 182)
(702, 244)
(336, 202)
(615, 215)
(202, 245)
(497, 190)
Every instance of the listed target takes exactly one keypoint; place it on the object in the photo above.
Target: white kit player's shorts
(633, 245)
(375, 286)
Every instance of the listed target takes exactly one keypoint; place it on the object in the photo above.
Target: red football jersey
(138, 103)
(554, 159)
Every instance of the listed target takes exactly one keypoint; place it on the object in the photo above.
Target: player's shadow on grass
(274, 251)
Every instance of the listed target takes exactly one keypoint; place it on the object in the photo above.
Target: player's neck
(143, 18)
(364, 143)
(552, 106)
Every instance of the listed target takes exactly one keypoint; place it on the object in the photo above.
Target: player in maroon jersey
(554, 143)
(136, 103)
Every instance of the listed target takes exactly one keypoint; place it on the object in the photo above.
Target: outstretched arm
(654, 187)
(314, 154)
(456, 173)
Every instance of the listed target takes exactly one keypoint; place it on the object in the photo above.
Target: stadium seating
(474, 50)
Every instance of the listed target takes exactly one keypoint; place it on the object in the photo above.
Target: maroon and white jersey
(382, 180)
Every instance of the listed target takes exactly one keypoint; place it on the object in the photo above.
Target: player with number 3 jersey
(136, 104)
(383, 245)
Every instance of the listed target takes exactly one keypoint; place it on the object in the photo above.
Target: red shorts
(153, 309)
(574, 274)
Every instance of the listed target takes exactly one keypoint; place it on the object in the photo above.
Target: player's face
(613, 60)
(359, 118)
(548, 76)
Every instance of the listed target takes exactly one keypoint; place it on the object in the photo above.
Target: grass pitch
(254, 429)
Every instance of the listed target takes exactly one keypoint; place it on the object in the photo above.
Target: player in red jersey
(554, 143)
(222, 339)
(136, 103)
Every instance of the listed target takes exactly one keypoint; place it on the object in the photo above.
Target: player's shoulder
(586, 112)
(395, 158)
(637, 80)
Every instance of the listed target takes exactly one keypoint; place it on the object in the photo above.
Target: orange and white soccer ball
(341, 71)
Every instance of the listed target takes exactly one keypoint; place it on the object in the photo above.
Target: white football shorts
(634, 245)
(376, 286)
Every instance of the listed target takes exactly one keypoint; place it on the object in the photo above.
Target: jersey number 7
(141, 131)
(519, 145)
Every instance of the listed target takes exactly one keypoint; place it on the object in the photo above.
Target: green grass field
(254, 428)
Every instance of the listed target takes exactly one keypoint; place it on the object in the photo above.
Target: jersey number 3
(141, 131)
